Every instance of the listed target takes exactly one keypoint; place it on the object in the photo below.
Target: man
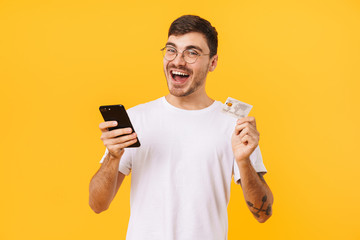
(181, 174)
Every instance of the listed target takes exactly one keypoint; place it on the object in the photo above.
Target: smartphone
(119, 114)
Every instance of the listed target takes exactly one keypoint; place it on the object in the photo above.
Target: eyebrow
(187, 47)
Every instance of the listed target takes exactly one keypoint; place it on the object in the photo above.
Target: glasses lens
(169, 53)
(190, 56)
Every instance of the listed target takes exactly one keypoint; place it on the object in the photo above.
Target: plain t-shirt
(181, 174)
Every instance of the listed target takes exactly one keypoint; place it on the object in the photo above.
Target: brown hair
(191, 23)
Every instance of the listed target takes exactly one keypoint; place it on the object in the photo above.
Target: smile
(179, 77)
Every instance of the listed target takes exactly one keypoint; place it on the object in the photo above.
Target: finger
(244, 132)
(249, 119)
(244, 139)
(240, 127)
(249, 140)
(105, 125)
(123, 139)
(118, 132)
(115, 133)
(122, 145)
(249, 131)
(119, 140)
(129, 143)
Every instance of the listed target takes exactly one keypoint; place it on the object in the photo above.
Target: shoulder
(145, 107)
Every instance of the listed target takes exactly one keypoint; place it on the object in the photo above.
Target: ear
(213, 63)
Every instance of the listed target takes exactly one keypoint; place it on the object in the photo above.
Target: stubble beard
(197, 82)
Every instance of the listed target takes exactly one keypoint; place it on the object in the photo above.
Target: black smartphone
(119, 114)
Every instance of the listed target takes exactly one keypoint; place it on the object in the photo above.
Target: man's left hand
(245, 138)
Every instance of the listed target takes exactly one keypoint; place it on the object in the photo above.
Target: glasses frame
(182, 54)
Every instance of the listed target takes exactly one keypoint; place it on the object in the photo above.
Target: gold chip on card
(236, 108)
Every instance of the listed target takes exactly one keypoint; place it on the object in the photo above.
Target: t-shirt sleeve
(256, 162)
(125, 162)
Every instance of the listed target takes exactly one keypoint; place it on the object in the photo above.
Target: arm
(258, 195)
(107, 180)
(105, 184)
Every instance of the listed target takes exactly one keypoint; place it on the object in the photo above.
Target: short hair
(191, 23)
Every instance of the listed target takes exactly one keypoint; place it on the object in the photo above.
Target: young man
(181, 174)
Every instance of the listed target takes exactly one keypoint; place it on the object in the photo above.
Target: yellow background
(296, 62)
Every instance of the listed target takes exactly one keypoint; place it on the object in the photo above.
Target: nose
(179, 60)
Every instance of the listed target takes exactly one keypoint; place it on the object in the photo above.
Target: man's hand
(245, 138)
(113, 142)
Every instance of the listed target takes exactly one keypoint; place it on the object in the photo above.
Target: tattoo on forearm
(259, 210)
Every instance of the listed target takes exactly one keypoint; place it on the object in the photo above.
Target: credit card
(236, 108)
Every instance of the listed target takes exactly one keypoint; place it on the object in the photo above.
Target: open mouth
(179, 77)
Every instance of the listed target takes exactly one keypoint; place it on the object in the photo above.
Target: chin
(178, 93)
(181, 92)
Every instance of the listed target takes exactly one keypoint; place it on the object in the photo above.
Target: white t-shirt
(181, 174)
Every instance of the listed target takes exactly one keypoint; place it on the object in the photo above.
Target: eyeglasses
(189, 55)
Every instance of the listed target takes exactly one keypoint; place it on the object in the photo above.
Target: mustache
(180, 68)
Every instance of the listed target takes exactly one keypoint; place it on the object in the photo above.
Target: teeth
(179, 73)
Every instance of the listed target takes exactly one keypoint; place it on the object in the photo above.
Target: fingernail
(115, 123)
(129, 130)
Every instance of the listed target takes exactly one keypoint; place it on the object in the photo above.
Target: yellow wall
(296, 62)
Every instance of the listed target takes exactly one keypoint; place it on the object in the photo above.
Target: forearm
(102, 187)
(258, 195)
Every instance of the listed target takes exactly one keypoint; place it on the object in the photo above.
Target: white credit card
(236, 108)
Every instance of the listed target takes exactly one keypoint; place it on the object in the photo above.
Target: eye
(192, 53)
(171, 50)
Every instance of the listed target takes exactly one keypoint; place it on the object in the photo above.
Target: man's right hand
(113, 143)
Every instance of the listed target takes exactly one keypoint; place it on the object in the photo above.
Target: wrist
(241, 162)
(115, 157)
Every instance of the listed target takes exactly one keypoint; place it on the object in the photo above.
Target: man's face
(183, 78)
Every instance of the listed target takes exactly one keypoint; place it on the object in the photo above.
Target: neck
(192, 102)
